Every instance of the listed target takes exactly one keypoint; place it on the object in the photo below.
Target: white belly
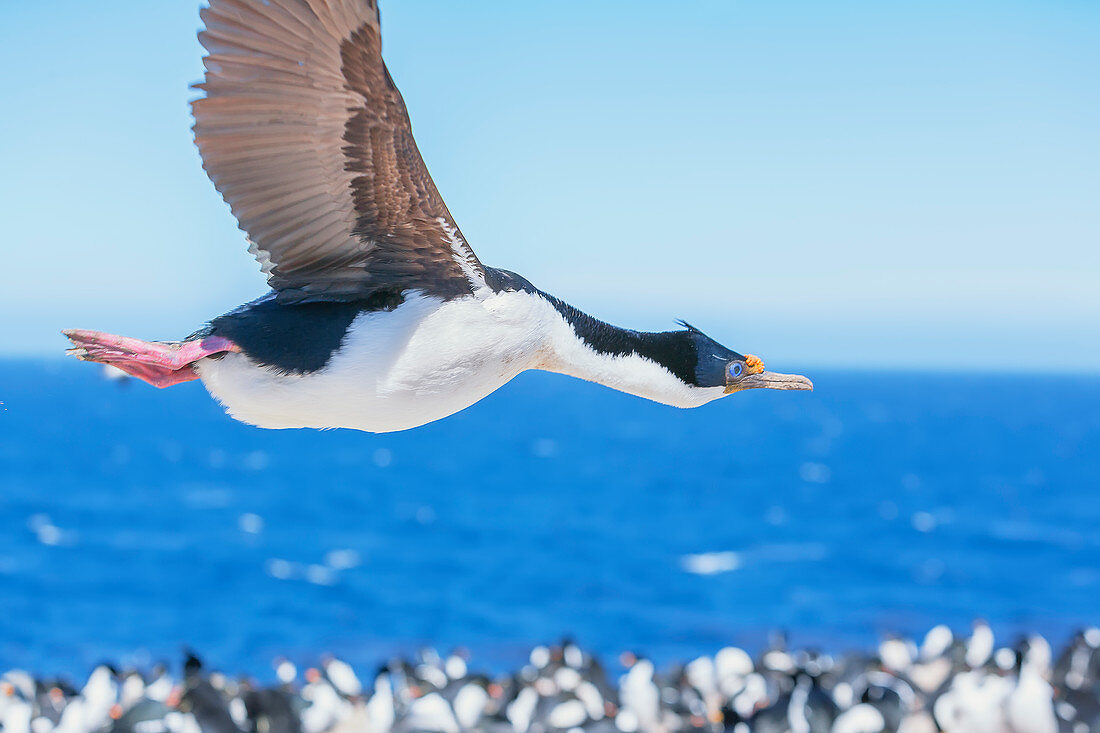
(394, 370)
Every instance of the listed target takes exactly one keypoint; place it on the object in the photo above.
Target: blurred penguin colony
(957, 685)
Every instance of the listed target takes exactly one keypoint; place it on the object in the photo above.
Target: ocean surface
(136, 520)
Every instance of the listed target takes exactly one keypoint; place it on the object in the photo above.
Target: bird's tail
(160, 363)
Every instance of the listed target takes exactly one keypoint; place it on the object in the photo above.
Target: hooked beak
(770, 380)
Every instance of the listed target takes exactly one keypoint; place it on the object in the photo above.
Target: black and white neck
(680, 368)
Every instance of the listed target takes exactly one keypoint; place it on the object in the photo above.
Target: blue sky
(860, 183)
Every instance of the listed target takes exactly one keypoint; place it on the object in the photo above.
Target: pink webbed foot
(160, 363)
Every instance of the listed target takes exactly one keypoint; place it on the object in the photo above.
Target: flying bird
(380, 316)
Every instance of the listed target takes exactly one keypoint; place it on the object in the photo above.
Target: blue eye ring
(736, 369)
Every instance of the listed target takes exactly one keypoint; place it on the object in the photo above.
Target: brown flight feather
(307, 138)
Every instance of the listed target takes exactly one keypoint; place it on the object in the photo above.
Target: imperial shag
(380, 315)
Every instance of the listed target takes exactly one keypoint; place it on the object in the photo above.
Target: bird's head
(717, 366)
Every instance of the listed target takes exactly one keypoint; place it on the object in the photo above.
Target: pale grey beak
(770, 380)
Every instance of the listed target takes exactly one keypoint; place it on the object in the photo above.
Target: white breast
(395, 369)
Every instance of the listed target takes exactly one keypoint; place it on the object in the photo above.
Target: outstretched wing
(305, 135)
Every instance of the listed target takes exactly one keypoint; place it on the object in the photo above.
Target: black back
(208, 706)
(271, 711)
(296, 338)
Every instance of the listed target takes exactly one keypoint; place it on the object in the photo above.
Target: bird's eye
(736, 368)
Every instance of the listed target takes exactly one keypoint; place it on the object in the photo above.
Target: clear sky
(857, 182)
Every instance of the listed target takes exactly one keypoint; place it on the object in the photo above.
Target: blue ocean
(134, 521)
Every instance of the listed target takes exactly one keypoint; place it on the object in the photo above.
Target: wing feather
(307, 138)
